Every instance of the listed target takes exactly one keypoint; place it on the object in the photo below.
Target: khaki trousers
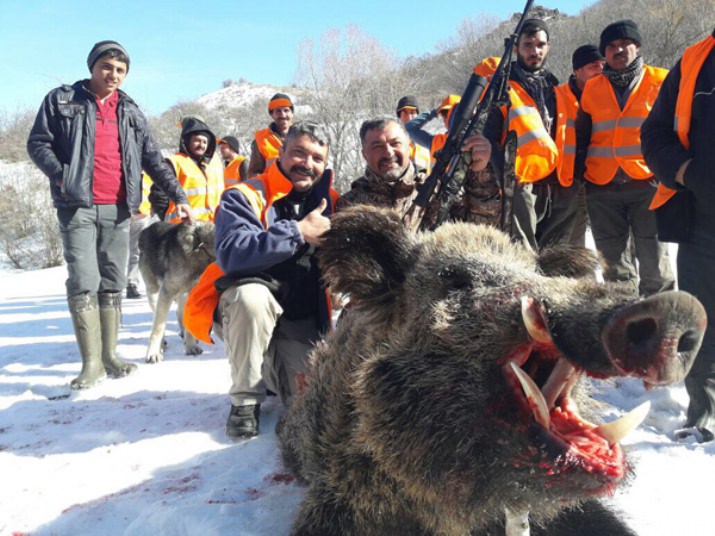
(264, 351)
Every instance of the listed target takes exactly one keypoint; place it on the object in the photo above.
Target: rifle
(445, 181)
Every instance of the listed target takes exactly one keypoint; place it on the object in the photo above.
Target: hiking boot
(133, 292)
(243, 421)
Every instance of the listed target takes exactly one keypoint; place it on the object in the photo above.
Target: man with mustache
(619, 183)
(267, 141)
(544, 204)
(391, 179)
(198, 170)
(264, 295)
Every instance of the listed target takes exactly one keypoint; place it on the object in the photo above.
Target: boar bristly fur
(413, 421)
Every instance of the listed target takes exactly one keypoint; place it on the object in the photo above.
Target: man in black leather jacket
(92, 142)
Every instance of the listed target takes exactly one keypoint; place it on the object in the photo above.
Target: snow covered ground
(147, 454)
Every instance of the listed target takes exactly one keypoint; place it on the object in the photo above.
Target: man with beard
(544, 205)
(391, 179)
(268, 141)
(264, 295)
(619, 184)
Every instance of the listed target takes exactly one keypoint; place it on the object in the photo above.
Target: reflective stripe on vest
(615, 133)
(566, 110)
(690, 65)
(203, 188)
(145, 206)
(420, 156)
(536, 153)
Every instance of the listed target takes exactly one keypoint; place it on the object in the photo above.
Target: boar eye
(456, 278)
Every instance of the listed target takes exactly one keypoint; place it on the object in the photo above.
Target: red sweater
(108, 187)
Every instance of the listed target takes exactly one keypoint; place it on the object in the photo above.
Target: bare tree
(351, 77)
(14, 130)
(29, 235)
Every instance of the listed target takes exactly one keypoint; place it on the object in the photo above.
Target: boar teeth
(533, 394)
(534, 320)
(558, 380)
(614, 431)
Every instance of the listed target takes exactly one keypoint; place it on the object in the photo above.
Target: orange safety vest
(268, 144)
(261, 192)
(566, 111)
(536, 153)
(616, 133)
(231, 173)
(203, 187)
(438, 141)
(420, 156)
(693, 59)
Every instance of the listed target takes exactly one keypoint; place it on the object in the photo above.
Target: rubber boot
(87, 331)
(110, 312)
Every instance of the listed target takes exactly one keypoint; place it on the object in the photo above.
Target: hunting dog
(172, 257)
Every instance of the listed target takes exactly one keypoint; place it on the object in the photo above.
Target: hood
(191, 125)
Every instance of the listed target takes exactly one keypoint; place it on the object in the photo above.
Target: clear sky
(181, 49)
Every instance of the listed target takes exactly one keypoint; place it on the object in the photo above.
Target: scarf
(536, 83)
(624, 78)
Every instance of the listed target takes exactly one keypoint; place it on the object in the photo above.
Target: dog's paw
(193, 349)
(155, 358)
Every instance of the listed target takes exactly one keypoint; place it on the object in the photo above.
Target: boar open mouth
(542, 379)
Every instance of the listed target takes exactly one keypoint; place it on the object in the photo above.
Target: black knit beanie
(408, 101)
(231, 141)
(584, 55)
(532, 26)
(622, 29)
(101, 48)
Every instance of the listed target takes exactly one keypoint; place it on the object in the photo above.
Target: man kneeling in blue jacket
(272, 306)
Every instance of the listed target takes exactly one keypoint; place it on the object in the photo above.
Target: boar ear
(569, 261)
(366, 254)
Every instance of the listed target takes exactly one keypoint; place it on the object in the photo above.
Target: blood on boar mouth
(542, 379)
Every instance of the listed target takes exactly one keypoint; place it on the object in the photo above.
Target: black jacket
(661, 147)
(61, 144)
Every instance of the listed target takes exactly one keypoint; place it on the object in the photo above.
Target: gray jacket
(61, 144)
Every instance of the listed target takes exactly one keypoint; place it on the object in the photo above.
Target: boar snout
(656, 339)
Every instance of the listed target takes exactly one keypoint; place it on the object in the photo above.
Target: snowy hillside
(147, 454)
(244, 95)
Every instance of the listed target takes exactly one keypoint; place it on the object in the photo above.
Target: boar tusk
(534, 320)
(614, 431)
(533, 394)
(557, 381)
